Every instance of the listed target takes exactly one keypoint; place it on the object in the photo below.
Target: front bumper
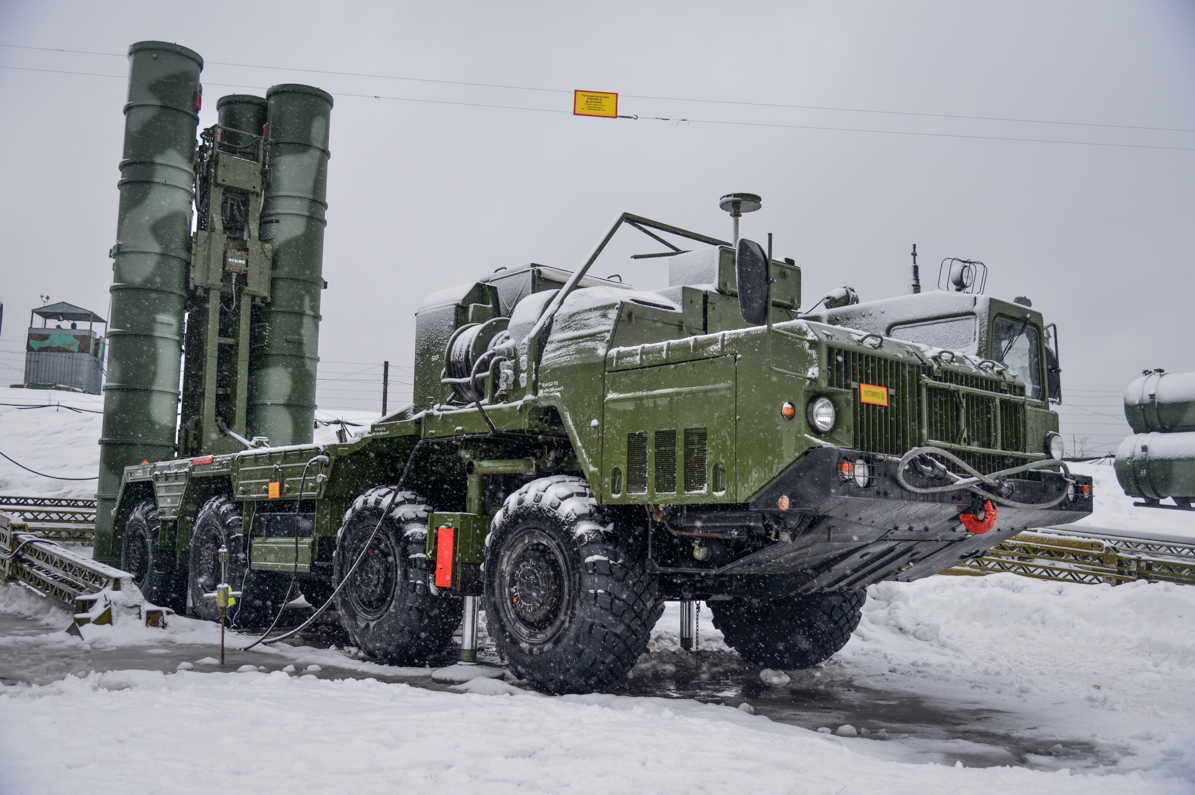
(881, 531)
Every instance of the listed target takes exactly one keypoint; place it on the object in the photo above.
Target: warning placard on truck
(875, 395)
(595, 103)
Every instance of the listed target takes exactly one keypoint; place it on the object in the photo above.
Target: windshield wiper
(1014, 339)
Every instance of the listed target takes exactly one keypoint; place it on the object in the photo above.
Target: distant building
(65, 358)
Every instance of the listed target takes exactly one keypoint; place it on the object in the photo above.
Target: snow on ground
(1115, 513)
(1101, 680)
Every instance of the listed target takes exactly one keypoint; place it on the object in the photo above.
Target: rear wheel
(568, 604)
(263, 593)
(386, 606)
(791, 632)
(155, 572)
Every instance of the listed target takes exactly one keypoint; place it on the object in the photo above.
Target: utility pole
(385, 385)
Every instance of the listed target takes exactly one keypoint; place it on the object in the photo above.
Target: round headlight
(862, 473)
(822, 414)
(1054, 447)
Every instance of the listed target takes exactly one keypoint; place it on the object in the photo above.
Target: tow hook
(980, 522)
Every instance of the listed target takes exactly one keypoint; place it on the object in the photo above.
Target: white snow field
(1017, 685)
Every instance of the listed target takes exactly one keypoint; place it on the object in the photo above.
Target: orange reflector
(788, 410)
(783, 502)
(444, 557)
(846, 470)
(207, 459)
(275, 489)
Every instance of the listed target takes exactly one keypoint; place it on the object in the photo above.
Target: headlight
(1054, 447)
(821, 414)
(1070, 492)
(862, 473)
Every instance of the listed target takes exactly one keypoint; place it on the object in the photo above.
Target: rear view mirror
(751, 272)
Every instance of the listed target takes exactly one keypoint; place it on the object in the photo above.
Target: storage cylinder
(1162, 402)
(1157, 465)
(149, 280)
(286, 332)
(243, 112)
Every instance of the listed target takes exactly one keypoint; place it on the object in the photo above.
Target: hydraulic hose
(993, 481)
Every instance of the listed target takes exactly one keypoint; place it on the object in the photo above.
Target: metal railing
(53, 518)
(49, 568)
(1069, 556)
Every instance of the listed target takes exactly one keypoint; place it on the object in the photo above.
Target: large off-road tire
(154, 571)
(569, 604)
(263, 593)
(386, 607)
(791, 632)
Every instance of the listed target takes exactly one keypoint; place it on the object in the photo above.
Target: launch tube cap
(248, 99)
(166, 46)
(299, 88)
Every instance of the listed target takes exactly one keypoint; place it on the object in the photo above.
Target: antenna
(736, 204)
(916, 273)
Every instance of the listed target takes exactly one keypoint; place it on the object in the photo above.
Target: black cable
(642, 96)
(43, 474)
(692, 121)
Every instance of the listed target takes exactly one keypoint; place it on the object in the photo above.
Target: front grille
(950, 416)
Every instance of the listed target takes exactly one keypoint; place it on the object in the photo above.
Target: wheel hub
(537, 586)
(373, 582)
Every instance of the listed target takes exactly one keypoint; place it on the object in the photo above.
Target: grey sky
(423, 195)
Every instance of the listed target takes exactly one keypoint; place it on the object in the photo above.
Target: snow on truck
(577, 451)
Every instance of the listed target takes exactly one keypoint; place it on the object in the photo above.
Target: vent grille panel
(695, 459)
(665, 462)
(637, 462)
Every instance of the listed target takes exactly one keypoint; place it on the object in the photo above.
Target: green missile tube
(286, 333)
(149, 273)
(243, 112)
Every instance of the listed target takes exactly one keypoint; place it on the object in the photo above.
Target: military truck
(577, 451)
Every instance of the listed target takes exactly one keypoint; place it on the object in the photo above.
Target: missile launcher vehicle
(577, 451)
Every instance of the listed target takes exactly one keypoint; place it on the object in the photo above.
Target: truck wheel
(154, 571)
(792, 632)
(568, 605)
(263, 593)
(386, 607)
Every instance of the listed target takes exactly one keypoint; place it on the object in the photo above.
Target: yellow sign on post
(595, 103)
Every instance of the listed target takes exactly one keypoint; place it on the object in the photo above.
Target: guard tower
(65, 358)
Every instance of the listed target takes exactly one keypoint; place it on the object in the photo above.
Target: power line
(44, 475)
(778, 105)
(821, 128)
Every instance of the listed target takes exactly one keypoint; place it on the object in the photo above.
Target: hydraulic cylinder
(286, 332)
(149, 273)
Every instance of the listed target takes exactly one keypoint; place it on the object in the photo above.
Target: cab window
(1017, 345)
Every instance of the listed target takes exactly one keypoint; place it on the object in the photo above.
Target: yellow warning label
(276, 489)
(875, 395)
(595, 103)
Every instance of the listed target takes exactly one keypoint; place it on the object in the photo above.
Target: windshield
(951, 333)
(1023, 357)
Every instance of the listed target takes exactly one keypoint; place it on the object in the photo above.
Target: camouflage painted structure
(64, 358)
(1158, 462)
(579, 452)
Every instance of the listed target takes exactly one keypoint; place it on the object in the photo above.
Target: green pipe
(286, 332)
(149, 273)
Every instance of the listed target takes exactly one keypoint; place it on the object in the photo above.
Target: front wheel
(790, 632)
(568, 605)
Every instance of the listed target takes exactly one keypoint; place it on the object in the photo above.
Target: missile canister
(149, 280)
(286, 334)
(1157, 465)
(1162, 402)
(243, 112)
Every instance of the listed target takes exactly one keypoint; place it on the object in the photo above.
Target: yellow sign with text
(275, 489)
(875, 395)
(595, 103)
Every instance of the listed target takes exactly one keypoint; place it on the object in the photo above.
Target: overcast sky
(424, 194)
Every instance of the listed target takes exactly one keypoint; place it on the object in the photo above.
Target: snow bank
(139, 731)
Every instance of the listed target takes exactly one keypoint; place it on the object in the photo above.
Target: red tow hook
(980, 526)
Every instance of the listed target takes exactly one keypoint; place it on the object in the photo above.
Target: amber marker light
(788, 410)
(783, 502)
(846, 471)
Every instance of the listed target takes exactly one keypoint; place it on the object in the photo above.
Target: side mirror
(751, 272)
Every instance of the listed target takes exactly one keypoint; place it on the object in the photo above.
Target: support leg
(469, 631)
(688, 623)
